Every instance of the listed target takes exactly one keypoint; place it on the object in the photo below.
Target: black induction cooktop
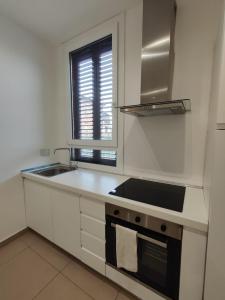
(158, 194)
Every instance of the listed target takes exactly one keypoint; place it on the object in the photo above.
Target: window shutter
(85, 98)
(92, 98)
(106, 96)
(103, 157)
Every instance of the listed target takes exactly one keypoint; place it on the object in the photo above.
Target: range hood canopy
(158, 108)
(159, 18)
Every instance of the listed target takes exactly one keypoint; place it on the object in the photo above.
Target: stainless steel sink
(53, 171)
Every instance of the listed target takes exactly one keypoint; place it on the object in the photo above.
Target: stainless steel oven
(159, 249)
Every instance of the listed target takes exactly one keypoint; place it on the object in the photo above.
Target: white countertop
(97, 185)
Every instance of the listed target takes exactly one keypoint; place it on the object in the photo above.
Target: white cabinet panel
(66, 221)
(93, 244)
(55, 214)
(38, 208)
(93, 261)
(132, 285)
(93, 234)
(93, 226)
(219, 75)
(192, 265)
(92, 208)
(215, 263)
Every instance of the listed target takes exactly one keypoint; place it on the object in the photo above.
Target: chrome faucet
(68, 149)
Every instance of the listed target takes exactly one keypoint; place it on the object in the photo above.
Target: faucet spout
(65, 148)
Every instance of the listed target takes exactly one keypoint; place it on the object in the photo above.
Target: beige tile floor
(33, 268)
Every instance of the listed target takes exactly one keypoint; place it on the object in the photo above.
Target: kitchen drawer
(93, 244)
(92, 208)
(93, 261)
(93, 226)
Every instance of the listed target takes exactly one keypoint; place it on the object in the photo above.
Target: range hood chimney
(159, 18)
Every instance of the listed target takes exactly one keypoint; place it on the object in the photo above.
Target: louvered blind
(92, 97)
(103, 157)
(86, 98)
(106, 95)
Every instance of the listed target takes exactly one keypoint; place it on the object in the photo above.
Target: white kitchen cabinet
(92, 233)
(215, 263)
(192, 264)
(66, 221)
(93, 208)
(38, 208)
(55, 214)
(218, 86)
(93, 226)
(93, 244)
(93, 261)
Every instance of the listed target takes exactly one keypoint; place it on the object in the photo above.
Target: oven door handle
(151, 240)
(148, 239)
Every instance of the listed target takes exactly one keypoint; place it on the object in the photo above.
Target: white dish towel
(126, 248)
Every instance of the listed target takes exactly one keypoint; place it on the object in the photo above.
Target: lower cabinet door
(93, 244)
(66, 221)
(92, 260)
(38, 208)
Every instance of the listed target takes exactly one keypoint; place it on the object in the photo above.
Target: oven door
(158, 257)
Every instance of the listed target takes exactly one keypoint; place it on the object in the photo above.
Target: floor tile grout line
(67, 277)
(86, 293)
(46, 285)
(42, 257)
(29, 246)
(117, 295)
(14, 256)
(32, 247)
(60, 272)
(117, 289)
(65, 267)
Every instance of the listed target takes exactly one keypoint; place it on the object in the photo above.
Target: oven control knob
(163, 227)
(137, 219)
(116, 212)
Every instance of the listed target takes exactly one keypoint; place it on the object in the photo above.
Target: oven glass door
(159, 265)
(158, 257)
(152, 262)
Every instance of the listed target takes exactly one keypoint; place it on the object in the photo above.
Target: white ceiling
(59, 20)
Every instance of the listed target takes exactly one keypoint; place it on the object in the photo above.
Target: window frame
(116, 28)
(96, 159)
(82, 41)
(94, 52)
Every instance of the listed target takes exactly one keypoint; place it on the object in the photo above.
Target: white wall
(214, 175)
(213, 110)
(25, 110)
(172, 147)
(167, 147)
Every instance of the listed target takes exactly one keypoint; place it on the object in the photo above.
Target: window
(92, 102)
(103, 157)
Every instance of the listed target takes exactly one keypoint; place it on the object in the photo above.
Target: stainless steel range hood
(159, 17)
